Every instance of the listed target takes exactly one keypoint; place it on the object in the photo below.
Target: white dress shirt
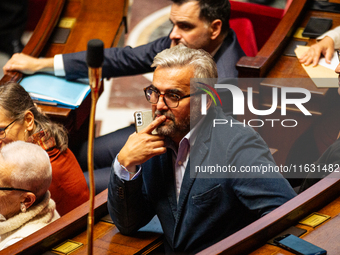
(59, 69)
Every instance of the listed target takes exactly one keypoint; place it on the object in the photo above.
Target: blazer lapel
(169, 180)
(197, 155)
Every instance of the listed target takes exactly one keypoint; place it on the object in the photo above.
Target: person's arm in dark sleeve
(117, 61)
(127, 205)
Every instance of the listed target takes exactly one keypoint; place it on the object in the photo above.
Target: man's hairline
(205, 21)
(200, 16)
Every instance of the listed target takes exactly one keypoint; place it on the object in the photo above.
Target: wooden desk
(105, 20)
(107, 239)
(323, 197)
(271, 64)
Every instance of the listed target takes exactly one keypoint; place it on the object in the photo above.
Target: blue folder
(49, 89)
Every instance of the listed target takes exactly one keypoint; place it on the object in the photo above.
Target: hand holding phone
(142, 120)
(142, 145)
(298, 246)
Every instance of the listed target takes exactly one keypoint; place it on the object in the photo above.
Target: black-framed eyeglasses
(170, 99)
(10, 188)
(2, 130)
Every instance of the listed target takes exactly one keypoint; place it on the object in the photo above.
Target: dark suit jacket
(209, 209)
(330, 159)
(130, 61)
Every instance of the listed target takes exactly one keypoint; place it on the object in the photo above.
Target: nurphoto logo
(300, 97)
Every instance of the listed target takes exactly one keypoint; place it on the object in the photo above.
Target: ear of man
(215, 29)
(209, 102)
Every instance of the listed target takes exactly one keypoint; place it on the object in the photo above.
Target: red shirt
(68, 188)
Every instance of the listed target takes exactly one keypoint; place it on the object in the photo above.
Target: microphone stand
(94, 61)
(94, 75)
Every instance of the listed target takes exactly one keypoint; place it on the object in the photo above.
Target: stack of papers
(52, 90)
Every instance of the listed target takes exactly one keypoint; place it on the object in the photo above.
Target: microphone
(94, 60)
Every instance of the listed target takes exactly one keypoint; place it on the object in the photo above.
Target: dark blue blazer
(209, 209)
(130, 61)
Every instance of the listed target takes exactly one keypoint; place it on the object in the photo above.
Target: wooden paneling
(103, 20)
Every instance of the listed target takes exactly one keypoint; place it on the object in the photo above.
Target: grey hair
(182, 56)
(30, 166)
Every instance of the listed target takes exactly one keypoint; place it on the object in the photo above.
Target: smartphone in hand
(142, 120)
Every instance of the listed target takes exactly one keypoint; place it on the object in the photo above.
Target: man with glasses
(25, 204)
(152, 174)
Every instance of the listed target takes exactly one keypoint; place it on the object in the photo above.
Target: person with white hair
(25, 203)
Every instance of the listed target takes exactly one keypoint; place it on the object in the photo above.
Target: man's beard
(173, 128)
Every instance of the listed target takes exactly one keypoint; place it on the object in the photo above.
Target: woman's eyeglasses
(3, 130)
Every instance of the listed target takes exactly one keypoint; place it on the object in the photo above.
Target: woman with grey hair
(25, 203)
